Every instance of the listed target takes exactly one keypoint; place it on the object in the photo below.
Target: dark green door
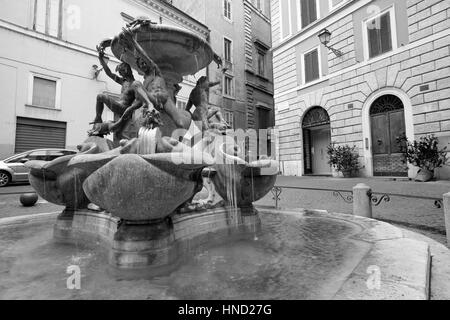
(388, 124)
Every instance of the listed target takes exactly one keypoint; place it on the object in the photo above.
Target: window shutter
(40, 15)
(305, 13)
(385, 34)
(53, 19)
(311, 66)
(308, 10)
(44, 93)
(312, 11)
(374, 46)
(315, 64)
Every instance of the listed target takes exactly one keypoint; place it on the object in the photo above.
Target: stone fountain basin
(142, 187)
(297, 254)
(179, 50)
(252, 180)
(55, 182)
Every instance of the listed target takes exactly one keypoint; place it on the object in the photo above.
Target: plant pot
(424, 175)
(347, 173)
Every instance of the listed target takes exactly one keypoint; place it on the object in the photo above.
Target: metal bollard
(446, 200)
(362, 204)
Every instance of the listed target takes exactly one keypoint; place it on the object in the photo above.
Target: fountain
(146, 185)
(140, 225)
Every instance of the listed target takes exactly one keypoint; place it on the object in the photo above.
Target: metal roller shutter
(38, 134)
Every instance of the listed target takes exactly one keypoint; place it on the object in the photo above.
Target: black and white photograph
(224, 155)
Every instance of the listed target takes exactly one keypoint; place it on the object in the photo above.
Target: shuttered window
(48, 17)
(38, 134)
(335, 3)
(227, 9)
(379, 35)
(308, 9)
(44, 92)
(311, 66)
(227, 49)
(261, 63)
(229, 118)
(228, 86)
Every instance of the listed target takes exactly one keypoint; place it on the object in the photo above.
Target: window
(379, 35)
(308, 11)
(311, 65)
(261, 63)
(259, 4)
(48, 16)
(181, 105)
(227, 48)
(44, 92)
(227, 9)
(229, 118)
(38, 155)
(336, 3)
(228, 86)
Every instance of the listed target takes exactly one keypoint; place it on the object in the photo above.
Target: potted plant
(424, 154)
(344, 159)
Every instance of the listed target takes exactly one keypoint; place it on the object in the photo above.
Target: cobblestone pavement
(415, 214)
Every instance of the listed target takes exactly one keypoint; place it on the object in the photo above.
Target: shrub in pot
(424, 154)
(344, 159)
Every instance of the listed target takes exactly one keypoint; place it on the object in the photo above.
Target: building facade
(48, 86)
(384, 73)
(240, 34)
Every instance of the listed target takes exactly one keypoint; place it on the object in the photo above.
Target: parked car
(13, 169)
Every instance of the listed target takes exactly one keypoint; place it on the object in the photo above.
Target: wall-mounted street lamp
(325, 37)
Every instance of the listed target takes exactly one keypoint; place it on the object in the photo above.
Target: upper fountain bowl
(178, 50)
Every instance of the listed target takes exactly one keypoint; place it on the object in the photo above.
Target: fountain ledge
(404, 264)
(159, 245)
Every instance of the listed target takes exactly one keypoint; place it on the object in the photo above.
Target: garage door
(38, 134)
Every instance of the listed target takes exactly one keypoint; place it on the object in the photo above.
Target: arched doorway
(387, 119)
(316, 139)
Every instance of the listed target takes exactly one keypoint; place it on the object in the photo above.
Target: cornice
(255, 10)
(172, 12)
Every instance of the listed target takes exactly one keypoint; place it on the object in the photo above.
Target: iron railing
(347, 195)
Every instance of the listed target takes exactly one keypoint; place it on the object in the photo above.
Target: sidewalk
(415, 214)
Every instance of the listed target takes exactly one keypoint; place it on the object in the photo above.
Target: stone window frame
(229, 117)
(332, 8)
(231, 49)
(181, 104)
(393, 24)
(224, 3)
(299, 15)
(280, 7)
(232, 82)
(31, 78)
(303, 69)
(47, 18)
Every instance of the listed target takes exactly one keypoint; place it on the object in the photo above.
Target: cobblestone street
(413, 214)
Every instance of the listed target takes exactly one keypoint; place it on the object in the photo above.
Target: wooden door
(387, 127)
(321, 139)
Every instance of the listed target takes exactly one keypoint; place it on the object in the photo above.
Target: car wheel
(5, 179)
